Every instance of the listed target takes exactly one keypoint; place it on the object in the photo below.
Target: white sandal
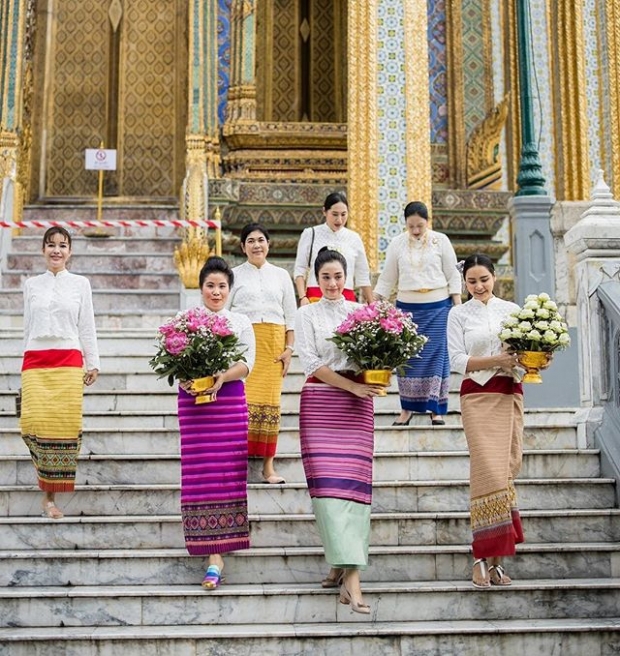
(484, 570)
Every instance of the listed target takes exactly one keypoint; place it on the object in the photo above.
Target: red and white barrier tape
(111, 224)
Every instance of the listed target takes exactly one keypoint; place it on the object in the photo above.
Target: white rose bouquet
(537, 326)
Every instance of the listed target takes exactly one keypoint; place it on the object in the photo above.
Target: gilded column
(417, 103)
(573, 164)
(457, 138)
(242, 92)
(363, 185)
(13, 14)
(611, 27)
(202, 149)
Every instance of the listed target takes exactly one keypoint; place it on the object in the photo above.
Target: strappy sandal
(213, 578)
(498, 576)
(484, 570)
(336, 582)
(51, 511)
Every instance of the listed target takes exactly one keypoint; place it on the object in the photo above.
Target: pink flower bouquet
(194, 344)
(379, 336)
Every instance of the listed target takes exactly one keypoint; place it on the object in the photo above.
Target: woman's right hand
(365, 391)
(506, 361)
(186, 385)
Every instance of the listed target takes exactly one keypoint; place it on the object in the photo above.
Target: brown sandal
(498, 576)
(484, 570)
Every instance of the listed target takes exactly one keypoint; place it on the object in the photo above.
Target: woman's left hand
(91, 376)
(285, 359)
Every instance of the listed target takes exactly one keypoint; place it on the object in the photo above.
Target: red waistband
(347, 374)
(52, 358)
(315, 293)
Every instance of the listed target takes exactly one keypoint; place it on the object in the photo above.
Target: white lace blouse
(313, 325)
(345, 241)
(414, 264)
(473, 329)
(58, 314)
(242, 327)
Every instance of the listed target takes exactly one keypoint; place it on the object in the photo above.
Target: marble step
(574, 636)
(141, 469)
(31, 244)
(152, 605)
(90, 263)
(402, 496)
(111, 300)
(299, 530)
(417, 437)
(121, 319)
(104, 279)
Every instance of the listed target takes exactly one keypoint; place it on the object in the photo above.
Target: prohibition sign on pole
(100, 159)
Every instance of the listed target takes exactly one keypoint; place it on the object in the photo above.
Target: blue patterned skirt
(424, 382)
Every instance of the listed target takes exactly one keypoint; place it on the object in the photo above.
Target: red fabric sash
(497, 385)
(314, 294)
(52, 358)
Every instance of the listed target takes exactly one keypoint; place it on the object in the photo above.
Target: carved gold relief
(573, 166)
(362, 123)
(417, 99)
(456, 116)
(612, 25)
(484, 166)
(511, 74)
(190, 256)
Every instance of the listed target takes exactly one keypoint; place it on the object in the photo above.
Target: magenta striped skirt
(337, 441)
(214, 471)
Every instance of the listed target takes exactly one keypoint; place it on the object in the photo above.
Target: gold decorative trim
(613, 49)
(417, 103)
(363, 155)
(484, 165)
(456, 94)
(487, 41)
(511, 74)
(573, 166)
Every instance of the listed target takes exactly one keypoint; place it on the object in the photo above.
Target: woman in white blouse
(492, 414)
(421, 264)
(60, 356)
(214, 443)
(336, 425)
(265, 294)
(335, 236)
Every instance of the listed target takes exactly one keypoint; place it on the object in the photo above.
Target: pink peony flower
(176, 343)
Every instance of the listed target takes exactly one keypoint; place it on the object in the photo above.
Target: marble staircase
(114, 577)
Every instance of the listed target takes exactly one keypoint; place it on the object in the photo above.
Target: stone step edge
(345, 630)
(302, 486)
(175, 457)
(288, 552)
(572, 513)
(278, 589)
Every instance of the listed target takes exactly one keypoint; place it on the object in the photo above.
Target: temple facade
(261, 107)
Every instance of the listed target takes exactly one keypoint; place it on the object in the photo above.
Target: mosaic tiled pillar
(242, 91)
(389, 120)
(572, 161)
(12, 35)
(202, 149)
(610, 39)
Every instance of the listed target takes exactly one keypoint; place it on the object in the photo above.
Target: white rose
(525, 326)
(555, 325)
(531, 305)
(511, 321)
(505, 334)
(550, 305)
(516, 334)
(534, 335)
(564, 339)
(541, 325)
(526, 314)
(544, 297)
(542, 313)
(531, 297)
(549, 336)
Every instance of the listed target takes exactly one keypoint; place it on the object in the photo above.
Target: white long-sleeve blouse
(242, 327)
(473, 329)
(411, 264)
(58, 313)
(345, 241)
(264, 295)
(313, 325)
